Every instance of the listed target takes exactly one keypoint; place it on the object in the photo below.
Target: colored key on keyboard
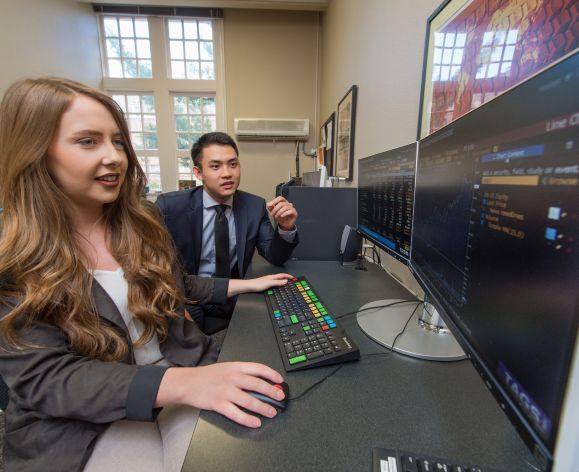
(306, 332)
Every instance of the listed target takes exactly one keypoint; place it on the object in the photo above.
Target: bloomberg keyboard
(388, 460)
(306, 332)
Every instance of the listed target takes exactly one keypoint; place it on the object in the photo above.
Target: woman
(93, 327)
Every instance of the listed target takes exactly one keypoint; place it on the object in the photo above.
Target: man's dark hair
(208, 139)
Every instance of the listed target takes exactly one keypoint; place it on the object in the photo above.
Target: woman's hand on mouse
(222, 388)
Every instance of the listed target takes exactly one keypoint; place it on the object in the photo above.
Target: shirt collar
(209, 202)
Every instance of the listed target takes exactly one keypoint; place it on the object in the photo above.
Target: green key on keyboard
(306, 335)
(295, 360)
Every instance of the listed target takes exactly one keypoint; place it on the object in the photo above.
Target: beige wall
(377, 45)
(270, 66)
(48, 37)
(270, 60)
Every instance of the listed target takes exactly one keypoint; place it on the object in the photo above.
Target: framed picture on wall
(327, 143)
(477, 49)
(346, 126)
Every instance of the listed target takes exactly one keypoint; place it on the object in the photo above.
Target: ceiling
(312, 5)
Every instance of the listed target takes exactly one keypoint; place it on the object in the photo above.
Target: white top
(117, 288)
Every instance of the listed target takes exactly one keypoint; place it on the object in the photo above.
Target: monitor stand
(425, 336)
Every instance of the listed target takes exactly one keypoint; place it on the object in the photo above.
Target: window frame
(104, 48)
(186, 153)
(145, 152)
(184, 40)
(164, 88)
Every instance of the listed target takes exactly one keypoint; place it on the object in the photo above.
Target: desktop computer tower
(322, 214)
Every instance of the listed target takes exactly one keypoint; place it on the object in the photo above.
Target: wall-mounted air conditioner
(272, 128)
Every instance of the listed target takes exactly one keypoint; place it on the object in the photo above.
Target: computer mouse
(280, 405)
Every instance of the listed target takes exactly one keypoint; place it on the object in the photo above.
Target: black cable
(373, 255)
(376, 259)
(405, 325)
(343, 315)
(377, 254)
(364, 254)
(375, 354)
(311, 387)
(384, 354)
(297, 159)
(366, 356)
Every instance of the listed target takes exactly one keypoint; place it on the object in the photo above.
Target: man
(216, 228)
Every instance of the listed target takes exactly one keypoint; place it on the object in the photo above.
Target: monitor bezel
(541, 450)
(392, 253)
(538, 447)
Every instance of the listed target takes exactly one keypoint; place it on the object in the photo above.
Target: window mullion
(162, 86)
(219, 58)
(158, 49)
(166, 140)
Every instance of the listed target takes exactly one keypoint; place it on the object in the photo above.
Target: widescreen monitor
(385, 206)
(495, 244)
(385, 199)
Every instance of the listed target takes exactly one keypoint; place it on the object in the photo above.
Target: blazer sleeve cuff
(220, 287)
(143, 393)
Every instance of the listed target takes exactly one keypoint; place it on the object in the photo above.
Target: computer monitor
(385, 199)
(385, 206)
(495, 246)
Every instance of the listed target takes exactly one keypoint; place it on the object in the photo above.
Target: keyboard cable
(366, 356)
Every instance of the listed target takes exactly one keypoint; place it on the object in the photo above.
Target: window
(142, 120)
(166, 73)
(448, 53)
(193, 116)
(152, 168)
(191, 49)
(496, 55)
(127, 47)
(140, 115)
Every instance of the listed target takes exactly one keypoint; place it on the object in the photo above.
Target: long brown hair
(41, 264)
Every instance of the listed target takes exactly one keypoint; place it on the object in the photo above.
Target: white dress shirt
(207, 259)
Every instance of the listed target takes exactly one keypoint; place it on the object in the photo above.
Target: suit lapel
(107, 309)
(105, 306)
(196, 225)
(240, 229)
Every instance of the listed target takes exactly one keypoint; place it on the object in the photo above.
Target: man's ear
(198, 172)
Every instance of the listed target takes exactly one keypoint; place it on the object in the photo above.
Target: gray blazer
(60, 402)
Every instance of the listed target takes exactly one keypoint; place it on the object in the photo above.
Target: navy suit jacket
(183, 215)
